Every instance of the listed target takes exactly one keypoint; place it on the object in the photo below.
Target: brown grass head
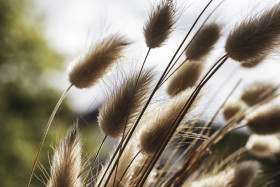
(257, 92)
(232, 108)
(263, 146)
(255, 37)
(185, 77)
(252, 63)
(203, 42)
(245, 173)
(66, 163)
(154, 132)
(86, 71)
(160, 24)
(121, 108)
(264, 120)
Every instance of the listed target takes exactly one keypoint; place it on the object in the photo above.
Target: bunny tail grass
(186, 77)
(257, 92)
(203, 42)
(66, 163)
(46, 132)
(256, 37)
(160, 24)
(263, 146)
(122, 107)
(264, 120)
(85, 72)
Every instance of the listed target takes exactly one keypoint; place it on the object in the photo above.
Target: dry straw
(263, 146)
(122, 107)
(257, 92)
(264, 120)
(66, 163)
(255, 37)
(160, 23)
(85, 72)
(203, 42)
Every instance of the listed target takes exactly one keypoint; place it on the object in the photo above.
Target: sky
(72, 26)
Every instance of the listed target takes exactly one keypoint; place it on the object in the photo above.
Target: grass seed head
(264, 120)
(203, 42)
(256, 37)
(160, 24)
(121, 108)
(85, 72)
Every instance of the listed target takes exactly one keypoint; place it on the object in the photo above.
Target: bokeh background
(39, 38)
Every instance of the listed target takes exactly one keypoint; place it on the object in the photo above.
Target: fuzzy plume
(66, 163)
(160, 24)
(252, 63)
(121, 178)
(87, 70)
(186, 76)
(245, 173)
(222, 179)
(123, 105)
(158, 125)
(203, 42)
(232, 108)
(264, 120)
(257, 92)
(241, 175)
(263, 146)
(256, 37)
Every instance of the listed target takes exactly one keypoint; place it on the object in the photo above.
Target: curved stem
(46, 132)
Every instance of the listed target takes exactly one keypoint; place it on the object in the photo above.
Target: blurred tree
(25, 99)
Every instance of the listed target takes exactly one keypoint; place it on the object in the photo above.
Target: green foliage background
(25, 99)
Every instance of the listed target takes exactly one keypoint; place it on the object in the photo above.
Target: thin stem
(181, 115)
(128, 167)
(174, 71)
(95, 158)
(155, 89)
(46, 132)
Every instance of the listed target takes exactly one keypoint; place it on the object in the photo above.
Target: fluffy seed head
(241, 175)
(257, 92)
(124, 104)
(245, 173)
(233, 107)
(264, 120)
(252, 63)
(263, 146)
(154, 132)
(255, 37)
(222, 179)
(185, 77)
(160, 24)
(66, 163)
(203, 42)
(87, 70)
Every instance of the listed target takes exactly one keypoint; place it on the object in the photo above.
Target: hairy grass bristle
(121, 108)
(203, 42)
(160, 23)
(264, 120)
(257, 92)
(66, 162)
(263, 146)
(255, 37)
(86, 71)
(232, 108)
(185, 77)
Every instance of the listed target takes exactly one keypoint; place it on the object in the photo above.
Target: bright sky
(71, 26)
